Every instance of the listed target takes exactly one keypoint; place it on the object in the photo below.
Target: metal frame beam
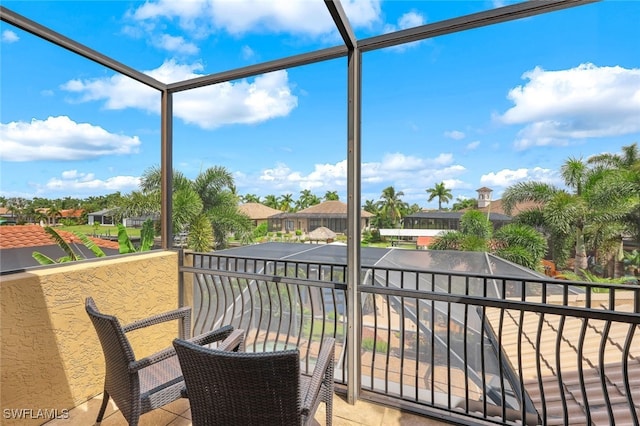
(252, 70)
(354, 185)
(342, 22)
(51, 36)
(467, 22)
(166, 169)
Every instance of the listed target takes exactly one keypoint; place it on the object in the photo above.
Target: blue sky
(487, 107)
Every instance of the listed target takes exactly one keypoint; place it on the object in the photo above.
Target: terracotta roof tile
(35, 236)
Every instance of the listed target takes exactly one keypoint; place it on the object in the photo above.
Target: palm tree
(618, 191)
(285, 202)
(211, 193)
(307, 199)
(251, 198)
(271, 201)
(564, 216)
(391, 205)
(331, 196)
(440, 192)
(464, 203)
(52, 213)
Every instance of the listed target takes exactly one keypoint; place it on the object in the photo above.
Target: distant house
(101, 217)
(258, 213)
(431, 223)
(17, 244)
(330, 214)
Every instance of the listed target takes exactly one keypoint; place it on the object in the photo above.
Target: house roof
(17, 244)
(20, 236)
(328, 208)
(497, 207)
(102, 212)
(257, 211)
(493, 215)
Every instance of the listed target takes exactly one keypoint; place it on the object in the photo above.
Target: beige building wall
(50, 357)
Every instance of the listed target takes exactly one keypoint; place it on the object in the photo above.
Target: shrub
(368, 342)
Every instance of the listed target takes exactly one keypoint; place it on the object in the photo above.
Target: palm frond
(97, 251)
(42, 259)
(62, 243)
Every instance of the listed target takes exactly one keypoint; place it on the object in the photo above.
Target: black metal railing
(484, 348)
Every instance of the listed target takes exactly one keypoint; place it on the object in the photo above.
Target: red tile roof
(35, 236)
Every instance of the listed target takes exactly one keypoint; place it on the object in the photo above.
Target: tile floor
(178, 414)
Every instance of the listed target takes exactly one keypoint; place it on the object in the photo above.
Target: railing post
(185, 284)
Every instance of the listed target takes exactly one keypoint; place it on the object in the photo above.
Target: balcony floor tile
(178, 414)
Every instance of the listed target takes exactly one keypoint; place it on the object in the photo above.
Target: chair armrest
(184, 313)
(233, 343)
(151, 359)
(233, 340)
(321, 371)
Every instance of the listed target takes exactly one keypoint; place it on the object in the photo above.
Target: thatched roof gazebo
(322, 234)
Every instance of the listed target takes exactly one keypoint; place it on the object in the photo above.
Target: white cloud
(176, 44)
(72, 180)
(410, 174)
(234, 17)
(473, 145)
(60, 138)
(408, 20)
(454, 134)
(247, 52)
(507, 177)
(582, 102)
(241, 102)
(9, 36)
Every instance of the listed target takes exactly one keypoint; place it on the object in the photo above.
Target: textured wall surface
(51, 357)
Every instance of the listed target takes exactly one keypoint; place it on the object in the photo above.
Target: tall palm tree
(286, 201)
(619, 189)
(271, 201)
(441, 192)
(563, 215)
(391, 205)
(307, 199)
(251, 198)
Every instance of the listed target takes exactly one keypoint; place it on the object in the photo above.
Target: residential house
(330, 214)
(101, 217)
(258, 213)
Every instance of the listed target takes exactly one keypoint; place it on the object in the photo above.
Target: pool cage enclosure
(352, 49)
(240, 286)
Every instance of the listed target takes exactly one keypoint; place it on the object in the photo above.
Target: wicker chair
(236, 388)
(139, 386)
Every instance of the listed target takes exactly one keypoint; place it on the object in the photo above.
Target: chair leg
(329, 404)
(103, 407)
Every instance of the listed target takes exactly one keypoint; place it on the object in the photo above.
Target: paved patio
(179, 414)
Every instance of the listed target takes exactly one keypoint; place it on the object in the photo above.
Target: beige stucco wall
(50, 355)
